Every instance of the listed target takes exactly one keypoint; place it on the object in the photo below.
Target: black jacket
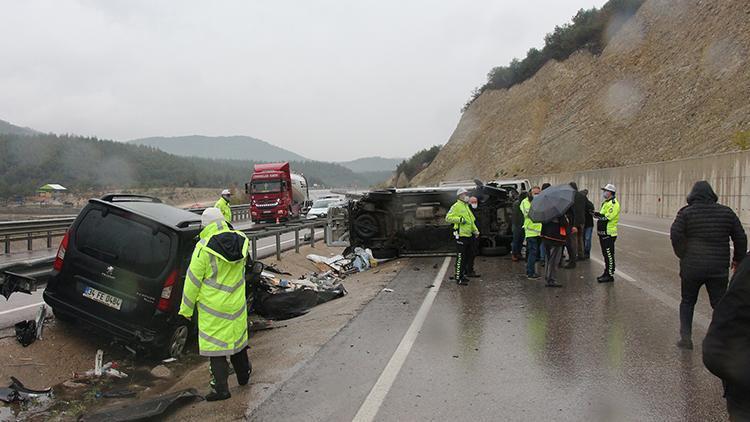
(726, 348)
(579, 207)
(701, 232)
(516, 214)
(589, 214)
(556, 231)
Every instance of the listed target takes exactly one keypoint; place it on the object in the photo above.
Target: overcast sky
(330, 80)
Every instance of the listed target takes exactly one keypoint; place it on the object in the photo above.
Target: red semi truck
(276, 193)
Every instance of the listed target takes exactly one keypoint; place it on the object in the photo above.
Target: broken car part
(141, 410)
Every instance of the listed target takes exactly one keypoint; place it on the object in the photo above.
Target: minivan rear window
(123, 243)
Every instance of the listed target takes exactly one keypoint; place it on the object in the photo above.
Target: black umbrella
(551, 203)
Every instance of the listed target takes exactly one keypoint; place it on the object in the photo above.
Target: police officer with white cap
(223, 205)
(608, 216)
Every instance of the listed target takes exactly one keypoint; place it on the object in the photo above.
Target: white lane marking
(21, 308)
(644, 229)
(657, 294)
(285, 242)
(374, 400)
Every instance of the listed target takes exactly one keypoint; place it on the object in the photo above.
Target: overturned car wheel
(366, 226)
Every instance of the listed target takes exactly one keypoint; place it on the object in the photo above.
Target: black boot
(217, 396)
(685, 343)
(605, 279)
(473, 275)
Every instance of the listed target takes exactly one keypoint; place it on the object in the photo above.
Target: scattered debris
(26, 332)
(117, 394)
(161, 371)
(108, 369)
(169, 360)
(16, 391)
(40, 317)
(387, 290)
(73, 385)
(11, 283)
(141, 410)
(276, 299)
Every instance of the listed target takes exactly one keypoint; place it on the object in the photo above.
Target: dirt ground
(276, 354)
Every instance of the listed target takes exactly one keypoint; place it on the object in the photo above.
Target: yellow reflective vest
(226, 211)
(530, 228)
(607, 225)
(462, 218)
(215, 287)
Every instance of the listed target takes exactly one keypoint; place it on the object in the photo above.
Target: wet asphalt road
(507, 348)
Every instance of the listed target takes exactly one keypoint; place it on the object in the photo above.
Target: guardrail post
(49, 239)
(254, 243)
(7, 244)
(296, 240)
(29, 241)
(312, 236)
(278, 246)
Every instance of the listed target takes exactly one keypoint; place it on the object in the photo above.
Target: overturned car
(411, 222)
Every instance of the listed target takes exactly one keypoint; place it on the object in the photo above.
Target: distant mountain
(220, 147)
(11, 129)
(372, 164)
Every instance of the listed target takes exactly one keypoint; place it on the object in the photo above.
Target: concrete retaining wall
(660, 189)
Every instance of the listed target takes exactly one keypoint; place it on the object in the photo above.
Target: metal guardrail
(30, 230)
(255, 234)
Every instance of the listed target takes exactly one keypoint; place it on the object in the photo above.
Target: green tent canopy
(52, 187)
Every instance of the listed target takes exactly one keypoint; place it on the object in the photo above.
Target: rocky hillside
(674, 82)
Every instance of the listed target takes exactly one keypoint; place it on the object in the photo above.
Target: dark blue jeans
(588, 232)
(517, 244)
(532, 254)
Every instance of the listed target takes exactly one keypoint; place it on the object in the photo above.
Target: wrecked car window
(123, 243)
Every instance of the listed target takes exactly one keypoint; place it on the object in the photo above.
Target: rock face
(674, 82)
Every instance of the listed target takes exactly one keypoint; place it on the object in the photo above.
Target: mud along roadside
(276, 354)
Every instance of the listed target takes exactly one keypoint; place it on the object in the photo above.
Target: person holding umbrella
(552, 208)
(606, 227)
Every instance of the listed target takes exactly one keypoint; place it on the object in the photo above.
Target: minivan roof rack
(186, 223)
(129, 197)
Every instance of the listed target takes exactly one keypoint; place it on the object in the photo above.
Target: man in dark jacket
(517, 221)
(588, 225)
(700, 238)
(554, 235)
(575, 236)
(726, 348)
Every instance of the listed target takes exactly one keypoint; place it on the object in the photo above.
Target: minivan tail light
(60, 257)
(166, 292)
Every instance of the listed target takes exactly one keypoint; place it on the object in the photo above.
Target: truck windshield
(267, 186)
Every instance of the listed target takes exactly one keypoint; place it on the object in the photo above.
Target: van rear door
(116, 264)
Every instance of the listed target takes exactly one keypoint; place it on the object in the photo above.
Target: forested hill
(11, 129)
(79, 163)
(221, 147)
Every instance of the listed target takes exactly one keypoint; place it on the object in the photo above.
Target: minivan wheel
(177, 341)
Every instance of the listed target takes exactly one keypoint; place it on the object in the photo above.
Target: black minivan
(121, 267)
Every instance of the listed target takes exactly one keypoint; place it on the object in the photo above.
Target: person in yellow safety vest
(223, 205)
(215, 285)
(606, 227)
(532, 231)
(465, 231)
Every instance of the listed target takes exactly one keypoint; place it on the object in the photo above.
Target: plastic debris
(16, 391)
(109, 369)
(26, 332)
(98, 362)
(387, 290)
(40, 317)
(150, 408)
(169, 360)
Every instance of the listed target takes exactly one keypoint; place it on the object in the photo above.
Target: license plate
(267, 212)
(101, 297)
